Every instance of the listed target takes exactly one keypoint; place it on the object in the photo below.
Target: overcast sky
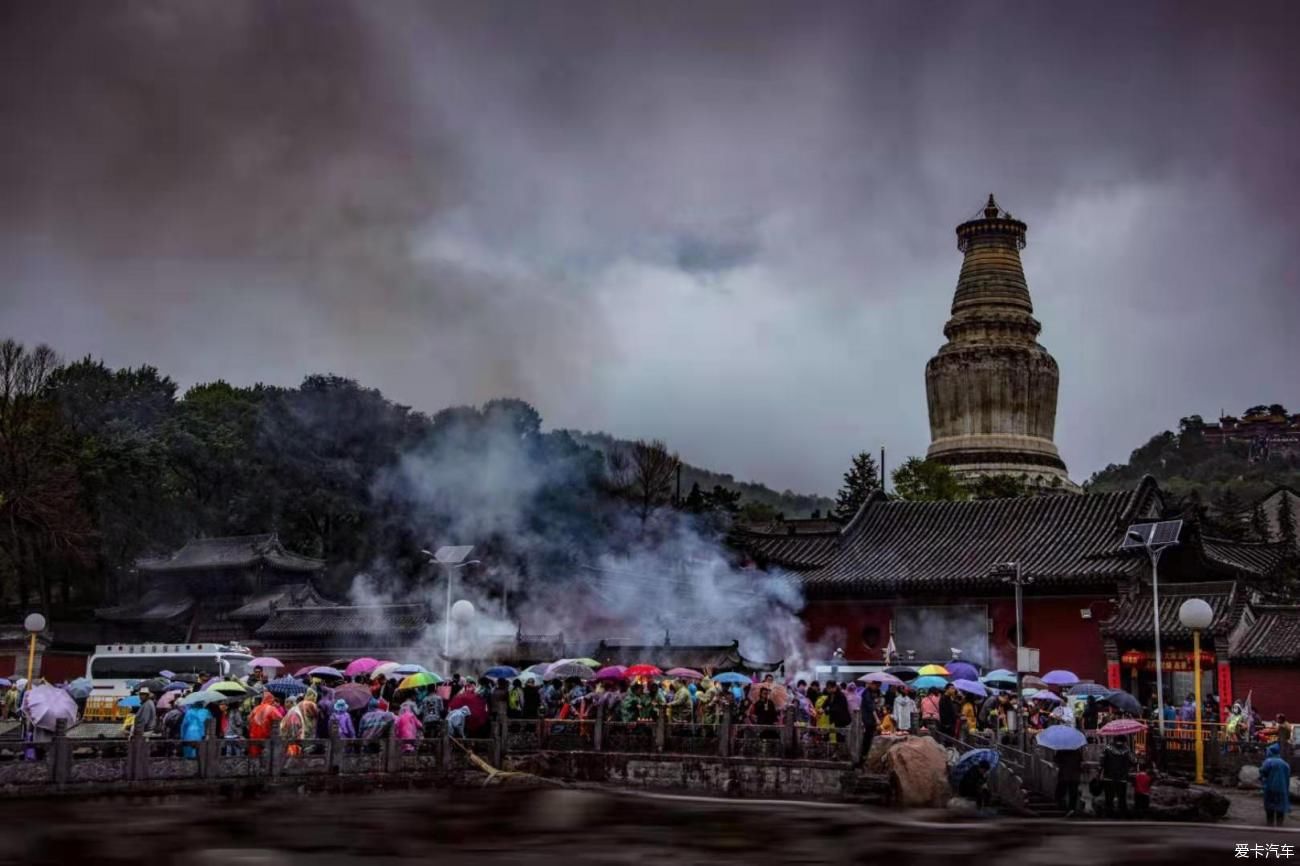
(726, 225)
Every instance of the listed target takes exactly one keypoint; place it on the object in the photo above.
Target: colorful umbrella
(685, 674)
(228, 687)
(933, 671)
(1121, 728)
(1060, 678)
(355, 695)
(206, 696)
(1086, 690)
(960, 670)
(131, 702)
(972, 759)
(929, 683)
(357, 667)
(415, 681)
(47, 706)
(265, 662)
(1061, 738)
(971, 687)
(880, 677)
(905, 674)
(613, 672)
(731, 678)
(283, 687)
(386, 669)
(567, 670)
(501, 672)
(651, 671)
(999, 678)
(327, 673)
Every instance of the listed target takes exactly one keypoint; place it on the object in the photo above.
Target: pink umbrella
(613, 672)
(882, 678)
(266, 662)
(685, 674)
(359, 666)
(167, 699)
(1121, 728)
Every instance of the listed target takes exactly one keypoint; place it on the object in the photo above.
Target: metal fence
(64, 760)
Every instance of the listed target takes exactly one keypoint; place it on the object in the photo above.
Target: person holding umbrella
(1116, 764)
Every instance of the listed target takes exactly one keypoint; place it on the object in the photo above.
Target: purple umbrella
(46, 706)
(1061, 738)
(882, 678)
(168, 674)
(613, 672)
(1046, 697)
(971, 687)
(1060, 678)
(962, 670)
(363, 665)
(266, 662)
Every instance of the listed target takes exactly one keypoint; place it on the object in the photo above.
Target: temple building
(932, 577)
(991, 388)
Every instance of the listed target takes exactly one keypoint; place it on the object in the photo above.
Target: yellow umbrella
(228, 687)
(933, 671)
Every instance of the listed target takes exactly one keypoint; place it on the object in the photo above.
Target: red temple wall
(1276, 689)
(1054, 626)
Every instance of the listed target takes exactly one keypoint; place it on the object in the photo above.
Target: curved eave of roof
(1133, 618)
(1254, 558)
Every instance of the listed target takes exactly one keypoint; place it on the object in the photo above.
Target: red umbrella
(642, 671)
(478, 711)
(1121, 728)
(355, 695)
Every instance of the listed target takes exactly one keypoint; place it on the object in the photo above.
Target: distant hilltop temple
(992, 388)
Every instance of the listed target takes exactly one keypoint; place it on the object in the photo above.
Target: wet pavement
(575, 827)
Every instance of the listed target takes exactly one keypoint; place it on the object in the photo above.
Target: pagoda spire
(992, 388)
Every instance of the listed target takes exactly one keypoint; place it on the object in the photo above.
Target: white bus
(113, 666)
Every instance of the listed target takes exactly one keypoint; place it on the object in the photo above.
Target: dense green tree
(927, 481)
(859, 482)
(998, 487)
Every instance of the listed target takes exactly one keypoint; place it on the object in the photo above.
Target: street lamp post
(1196, 615)
(1012, 574)
(1155, 539)
(34, 624)
(449, 559)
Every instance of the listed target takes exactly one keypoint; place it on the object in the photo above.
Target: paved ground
(576, 828)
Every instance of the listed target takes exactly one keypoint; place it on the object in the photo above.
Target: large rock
(1172, 802)
(880, 746)
(1248, 777)
(918, 770)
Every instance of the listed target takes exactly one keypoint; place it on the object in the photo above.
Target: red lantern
(1133, 658)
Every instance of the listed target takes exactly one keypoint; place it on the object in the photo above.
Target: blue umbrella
(408, 669)
(929, 683)
(960, 670)
(732, 678)
(971, 687)
(131, 703)
(1000, 678)
(972, 758)
(286, 686)
(80, 688)
(5, 682)
(1062, 738)
(501, 672)
(1084, 690)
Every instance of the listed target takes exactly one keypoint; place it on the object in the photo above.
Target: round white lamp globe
(1195, 614)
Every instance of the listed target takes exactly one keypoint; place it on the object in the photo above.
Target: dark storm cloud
(729, 225)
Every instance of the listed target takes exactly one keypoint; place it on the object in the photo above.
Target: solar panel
(453, 554)
(1166, 532)
(1137, 536)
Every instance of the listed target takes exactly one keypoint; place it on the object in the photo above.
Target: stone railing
(65, 761)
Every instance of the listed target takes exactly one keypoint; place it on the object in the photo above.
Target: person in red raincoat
(260, 721)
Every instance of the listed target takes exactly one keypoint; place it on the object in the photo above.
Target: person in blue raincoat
(1275, 777)
(194, 728)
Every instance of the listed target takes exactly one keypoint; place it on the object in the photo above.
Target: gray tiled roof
(893, 545)
(1133, 618)
(321, 621)
(1274, 637)
(155, 606)
(1243, 556)
(239, 551)
(289, 595)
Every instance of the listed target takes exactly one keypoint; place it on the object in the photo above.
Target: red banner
(1112, 675)
(1225, 690)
